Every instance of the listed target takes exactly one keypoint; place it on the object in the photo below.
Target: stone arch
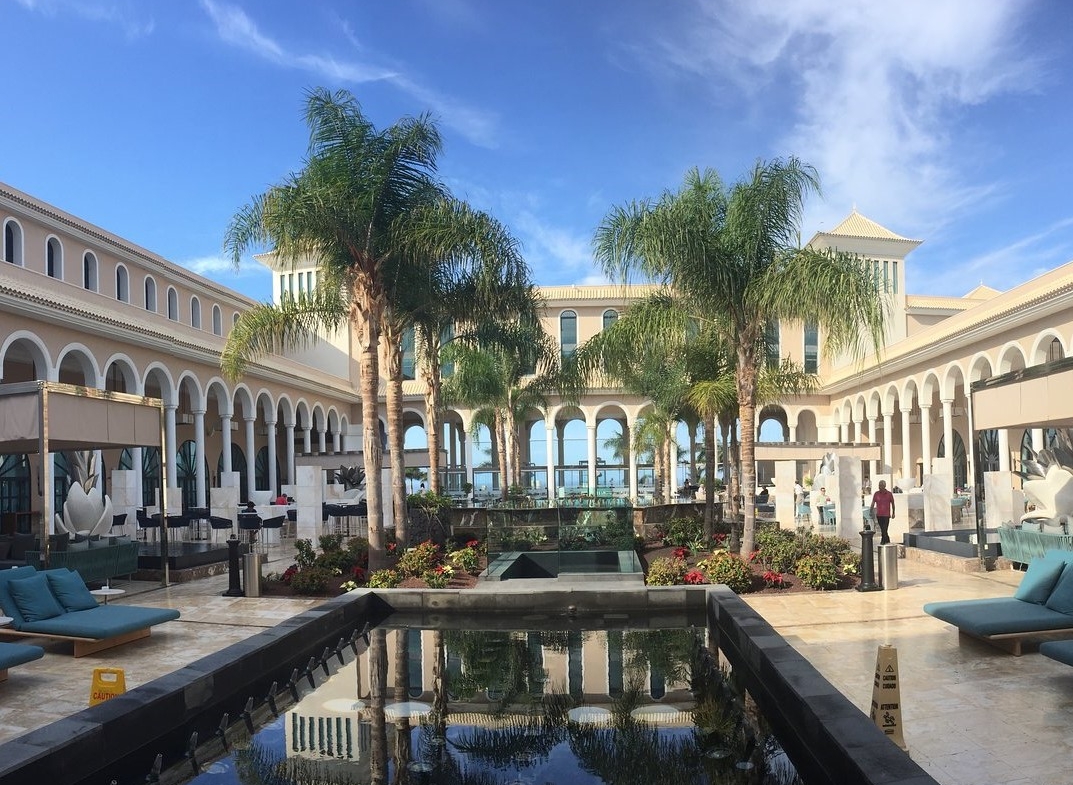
(76, 364)
(120, 375)
(24, 357)
(1011, 358)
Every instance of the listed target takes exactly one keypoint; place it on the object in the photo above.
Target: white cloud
(214, 266)
(555, 254)
(128, 16)
(236, 28)
(873, 94)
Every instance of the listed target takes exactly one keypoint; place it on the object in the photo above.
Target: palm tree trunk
(433, 409)
(403, 745)
(709, 477)
(391, 345)
(746, 377)
(501, 452)
(372, 457)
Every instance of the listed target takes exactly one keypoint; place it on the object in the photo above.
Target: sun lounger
(1041, 607)
(1062, 651)
(56, 604)
(12, 654)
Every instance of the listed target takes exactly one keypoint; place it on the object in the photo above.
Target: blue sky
(944, 120)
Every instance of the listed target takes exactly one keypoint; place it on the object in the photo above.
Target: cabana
(42, 418)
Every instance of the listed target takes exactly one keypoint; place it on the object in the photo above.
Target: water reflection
(502, 707)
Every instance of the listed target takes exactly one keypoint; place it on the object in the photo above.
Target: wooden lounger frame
(83, 646)
(1017, 643)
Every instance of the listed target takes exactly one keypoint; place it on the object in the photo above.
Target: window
(894, 277)
(408, 354)
(150, 294)
(812, 348)
(217, 321)
(1055, 351)
(282, 286)
(610, 317)
(309, 281)
(568, 333)
(195, 313)
(122, 284)
(234, 318)
(886, 276)
(771, 341)
(53, 258)
(12, 242)
(89, 272)
(173, 304)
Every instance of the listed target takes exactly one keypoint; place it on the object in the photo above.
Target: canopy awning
(814, 451)
(54, 417)
(1035, 397)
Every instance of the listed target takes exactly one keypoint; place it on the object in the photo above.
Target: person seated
(762, 497)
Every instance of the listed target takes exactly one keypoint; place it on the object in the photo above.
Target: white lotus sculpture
(1048, 479)
(85, 513)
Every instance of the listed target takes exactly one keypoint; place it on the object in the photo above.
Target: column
(307, 444)
(948, 428)
(925, 437)
(467, 454)
(169, 448)
(633, 461)
(225, 436)
(549, 450)
(289, 430)
(792, 432)
(200, 496)
(322, 444)
(873, 465)
(591, 444)
(843, 433)
(335, 442)
(907, 467)
(251, 456)
(273, 480)
(888, 443)
(858, 431)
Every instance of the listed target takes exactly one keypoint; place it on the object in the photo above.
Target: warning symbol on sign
(886, 710)
(107, 683)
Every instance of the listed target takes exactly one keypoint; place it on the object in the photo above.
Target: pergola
(42, 418)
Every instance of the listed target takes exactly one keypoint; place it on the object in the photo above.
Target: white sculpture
(86, 512)
(1048, 480)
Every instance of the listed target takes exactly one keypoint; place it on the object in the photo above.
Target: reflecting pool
(523, 706)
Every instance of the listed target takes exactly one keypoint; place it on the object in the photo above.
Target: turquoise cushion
(69, 588)
(33, 598)
(1039, 580)
(1061, 598)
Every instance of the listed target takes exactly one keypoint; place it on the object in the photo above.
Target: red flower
(391, 547)
(774, 579)
(720, 539)
(473, 544)
(695, 578)
(289, 573)
(754, 555)
(359, 574)
(681, 552)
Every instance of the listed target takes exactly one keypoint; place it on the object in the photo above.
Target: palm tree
(729, 258)
(367, 208)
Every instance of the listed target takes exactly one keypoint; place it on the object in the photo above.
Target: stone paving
(971, 712)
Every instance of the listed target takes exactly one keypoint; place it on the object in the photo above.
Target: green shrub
(728, 569)
(666, 572)
(419, 559)
(311, 580)
(439, 576)
(466, 559)
(359, 550)
(817, 572)
(683, 531)
(384, 579)
(304, 554)
(778, 549)
(834, 547)
(850, 563)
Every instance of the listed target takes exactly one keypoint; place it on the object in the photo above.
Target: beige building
(82, 306)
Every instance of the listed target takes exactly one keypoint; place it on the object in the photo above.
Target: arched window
(234, 318)
(568, 333)
(89, 272)
(610, 317)
(53, 258)
(195, 313)
(150, 294)
(217, 321)
(1055, 351)
(173, 304)
(122, 284)
(12, 242)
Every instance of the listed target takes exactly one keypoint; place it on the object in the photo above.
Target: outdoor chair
(119, 521)
(218, 524)
(249, 527)
(270, 524)
(147, 524)
(178, 523)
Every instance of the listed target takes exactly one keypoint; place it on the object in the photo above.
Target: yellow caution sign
(886, 696)
(107, 683)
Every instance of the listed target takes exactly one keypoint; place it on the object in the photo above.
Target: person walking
(883, 510)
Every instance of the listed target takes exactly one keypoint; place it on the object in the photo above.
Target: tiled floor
(971, 713)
